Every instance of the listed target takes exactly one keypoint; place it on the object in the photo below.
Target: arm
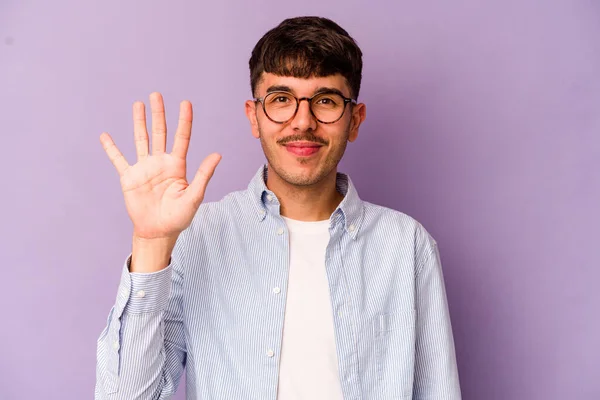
(141, 352)
(436, 373)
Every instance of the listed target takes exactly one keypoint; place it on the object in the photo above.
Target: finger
(140, 131)
(159, 125)
(184, 130)
(197, 188)
(113, 153)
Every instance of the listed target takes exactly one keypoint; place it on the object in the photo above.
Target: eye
(279, 99)
(329, 100)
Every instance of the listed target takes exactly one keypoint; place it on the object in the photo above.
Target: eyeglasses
(326, 107)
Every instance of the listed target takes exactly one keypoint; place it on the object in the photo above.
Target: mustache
(302, 137)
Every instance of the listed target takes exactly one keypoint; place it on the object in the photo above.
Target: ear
(251, 114)
(359, 113)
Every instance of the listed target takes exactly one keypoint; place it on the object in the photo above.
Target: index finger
(184, 130)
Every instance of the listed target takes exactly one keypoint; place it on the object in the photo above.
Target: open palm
(159, 200)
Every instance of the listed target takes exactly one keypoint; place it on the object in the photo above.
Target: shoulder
(219, 208)
(219, 213)
(400, 229)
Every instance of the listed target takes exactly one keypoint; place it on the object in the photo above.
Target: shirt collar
(349, 212)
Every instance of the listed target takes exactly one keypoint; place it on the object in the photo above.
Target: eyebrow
(321, 89)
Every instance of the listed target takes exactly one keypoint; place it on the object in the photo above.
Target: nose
(304, 120)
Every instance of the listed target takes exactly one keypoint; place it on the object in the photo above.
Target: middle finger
(159, 125)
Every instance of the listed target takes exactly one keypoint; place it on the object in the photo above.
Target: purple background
(483, 123)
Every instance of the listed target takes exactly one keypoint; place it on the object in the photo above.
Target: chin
(302, 181)
(303, 176)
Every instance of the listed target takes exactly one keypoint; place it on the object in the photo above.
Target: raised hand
(159, 200)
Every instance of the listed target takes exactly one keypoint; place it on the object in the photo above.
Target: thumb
(196, 189)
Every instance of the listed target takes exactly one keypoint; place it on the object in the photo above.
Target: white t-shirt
(308, 365)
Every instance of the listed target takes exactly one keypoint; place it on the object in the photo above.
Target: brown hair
(303, 47)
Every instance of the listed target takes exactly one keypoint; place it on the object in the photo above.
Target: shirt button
(280, 231)
(262, 212)
(339, 314)
(116, 345)
(351, 228)
(270, 353)
(276, 290)
(141, 294)
(269, 197)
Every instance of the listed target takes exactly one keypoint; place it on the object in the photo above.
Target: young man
(292, 289)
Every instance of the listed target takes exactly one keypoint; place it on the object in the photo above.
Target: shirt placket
(341, 304)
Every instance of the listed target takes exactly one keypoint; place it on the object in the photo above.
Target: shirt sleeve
(436, 372)
(141, 351)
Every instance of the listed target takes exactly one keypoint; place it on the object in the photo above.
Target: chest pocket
(394, 336)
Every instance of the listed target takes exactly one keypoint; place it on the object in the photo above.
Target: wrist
(151, 255)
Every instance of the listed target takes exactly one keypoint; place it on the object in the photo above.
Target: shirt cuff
(143, 292)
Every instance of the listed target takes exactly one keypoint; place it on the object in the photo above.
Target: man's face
(304, 151)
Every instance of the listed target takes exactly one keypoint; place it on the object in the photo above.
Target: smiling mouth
(303, 149)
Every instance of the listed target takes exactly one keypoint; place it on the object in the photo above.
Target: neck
(305, 203)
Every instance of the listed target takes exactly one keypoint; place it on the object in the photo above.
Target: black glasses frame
(347, 100)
